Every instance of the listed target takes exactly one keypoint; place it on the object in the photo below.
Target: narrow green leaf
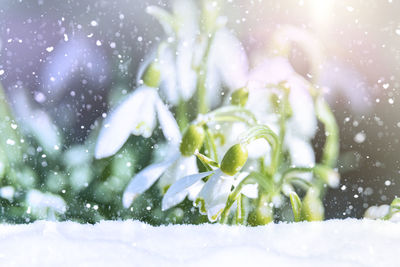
(296, 206)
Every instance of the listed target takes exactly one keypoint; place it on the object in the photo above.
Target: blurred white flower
(302, 125)
(36, 122)
(212, 196)
(339, 78)
(45, 205)
(176, 55)
(137, 115)
(227, 65)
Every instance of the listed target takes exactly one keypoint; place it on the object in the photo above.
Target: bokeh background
(69, 55)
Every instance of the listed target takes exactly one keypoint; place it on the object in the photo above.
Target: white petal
(215, 193)
(186, 17)
(168, 74)
(146, 116)
(250, 190)
(184, 166)
(134, 115)
(168, 124)
(303, 120)
(179, 190)
(230, 59)
(194, 190)
(259, 148)
(213, 84)
(144, 180)
(187, 77)
(301, 152)
(36, 122)
(271, 71)
(165, 18)
(259, 102)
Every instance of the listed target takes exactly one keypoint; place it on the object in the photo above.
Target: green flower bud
(192, 140)
(240, 96)
(152, 75)
(234, 159)
(312, 208)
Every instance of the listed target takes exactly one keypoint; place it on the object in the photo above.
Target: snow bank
(332, 243)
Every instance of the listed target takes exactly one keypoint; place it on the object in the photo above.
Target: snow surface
(130, 243)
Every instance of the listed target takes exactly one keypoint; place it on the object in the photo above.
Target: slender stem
(240, 213)
(211, 147)
(231, 199)
(202, 78)
(181, 113)
(331, 147)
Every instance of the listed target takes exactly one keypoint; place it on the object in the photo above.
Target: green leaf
(395, 205)
(312, 207)
(206, 160)
(296, 206)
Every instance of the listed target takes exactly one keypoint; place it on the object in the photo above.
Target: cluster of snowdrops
(203, 133)
(243, 154)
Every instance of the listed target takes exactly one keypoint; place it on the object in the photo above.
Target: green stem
(231, 199)
(240, 212)
(331, 147)
(263, 131)
(210, 145)
(181, 113)
(202, 104)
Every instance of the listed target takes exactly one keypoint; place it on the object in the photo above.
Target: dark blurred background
(68, 55)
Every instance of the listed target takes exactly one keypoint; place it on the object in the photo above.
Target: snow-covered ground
(332, 243)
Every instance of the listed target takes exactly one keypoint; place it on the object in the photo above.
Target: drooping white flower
(36, 122)
(214, 193)
(137, 115)
(302, 125)
(227, 65)
(175, 56)
(212, 196)
(168, 171)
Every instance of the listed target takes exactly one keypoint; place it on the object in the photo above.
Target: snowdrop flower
(214, 194)
(177, 164)
(176, 55)
(182, 56)
(227, 65)
(137, 115)
(36, 122)
(302, 124)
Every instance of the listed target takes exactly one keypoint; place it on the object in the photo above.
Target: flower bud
(152, 75)
(192, 140)
(240, 96)
(234, 159)
(312, 208)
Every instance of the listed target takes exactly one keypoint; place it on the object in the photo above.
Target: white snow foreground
(112, 243)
